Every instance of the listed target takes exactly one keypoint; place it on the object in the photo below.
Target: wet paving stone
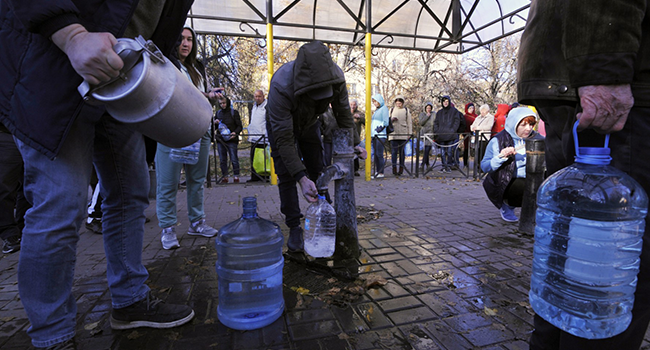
(314, 330)
(306, 316)
(466, 322)
(449, 338)
(373, 316)
(395, 289)
(407, 302)
(489, 335)
(416, 315)
(349, 320)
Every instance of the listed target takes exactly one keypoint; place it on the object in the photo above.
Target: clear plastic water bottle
(588, 239)
(186, 155)
(249, 266)
(224, 131)
(320, 229)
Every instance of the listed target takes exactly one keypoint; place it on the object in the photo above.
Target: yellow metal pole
(269, 60)
(368, 102)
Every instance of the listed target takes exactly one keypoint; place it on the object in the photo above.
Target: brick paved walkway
(457, 278)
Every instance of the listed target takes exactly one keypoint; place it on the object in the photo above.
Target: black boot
(395, 171)
(295, 242)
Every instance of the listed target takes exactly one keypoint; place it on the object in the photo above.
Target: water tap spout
(335, 171)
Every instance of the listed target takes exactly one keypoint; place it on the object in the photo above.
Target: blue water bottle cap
(591, 155)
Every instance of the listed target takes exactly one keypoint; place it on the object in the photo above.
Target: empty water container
(588, 239)
(249, 268)
(320, 229)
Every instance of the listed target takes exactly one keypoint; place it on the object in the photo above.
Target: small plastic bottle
(186, 155)
(249, 267)
(588, 239)
(320, 229)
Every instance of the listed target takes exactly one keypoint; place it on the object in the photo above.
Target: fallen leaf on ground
(375, 281)
(490, 312)
(300, 290)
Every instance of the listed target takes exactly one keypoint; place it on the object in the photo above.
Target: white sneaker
(379, 176)
(168, 238)
(200, 228)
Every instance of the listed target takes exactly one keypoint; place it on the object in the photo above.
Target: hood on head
(428, 104)
(399, 97)
(467, 107)
(502, 109)
(378, 98)
(446, 97)
(514, 118)
(314, 70)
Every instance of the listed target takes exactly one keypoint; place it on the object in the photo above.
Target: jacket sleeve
(601, 39)
(409, 122)
(424, 118)
(280, 123)
(45, 16)
(491, 160)
(341, 109)
(238, 124)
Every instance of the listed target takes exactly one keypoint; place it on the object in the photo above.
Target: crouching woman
(505, 162)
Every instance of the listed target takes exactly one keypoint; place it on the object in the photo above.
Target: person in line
(403, 124)
(469, 118)
(300, 91)
(505, 162)
(227, 144)
(257, 131)
(359, 123)
(596, 55)
(56, 45)
(13, 204)
(482, 129)
(426, 120)
(379, 122)
(168, 171)
(445, 127)
(500, 118)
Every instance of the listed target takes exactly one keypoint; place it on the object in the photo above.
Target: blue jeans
(58, 190)
(168, 175)
(228, 149)
(447, 153)
(378, 155)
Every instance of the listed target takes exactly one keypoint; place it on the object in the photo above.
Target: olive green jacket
(572, 43)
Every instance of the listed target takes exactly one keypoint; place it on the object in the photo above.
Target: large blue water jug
(249, 266)
(588, 239)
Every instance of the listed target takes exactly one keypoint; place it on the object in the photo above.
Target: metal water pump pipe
(342, 172)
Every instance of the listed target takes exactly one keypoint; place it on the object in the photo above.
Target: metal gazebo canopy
(451, 26)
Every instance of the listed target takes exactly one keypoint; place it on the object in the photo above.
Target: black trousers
(13, 204)
(629, 148)
(311, 151)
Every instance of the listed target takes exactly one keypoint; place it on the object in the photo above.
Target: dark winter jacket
(232, 119)
(447, 122)
(38, 86)
(288, 116)
(553, 63)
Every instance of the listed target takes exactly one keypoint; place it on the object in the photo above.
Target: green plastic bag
(262, 161)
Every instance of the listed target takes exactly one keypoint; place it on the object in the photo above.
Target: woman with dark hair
(168, 171)
(505, 162)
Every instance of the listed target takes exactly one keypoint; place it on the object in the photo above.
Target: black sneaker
(66, 345)
(11, 245)
(295, 242)
(94, 225)
(151, 312)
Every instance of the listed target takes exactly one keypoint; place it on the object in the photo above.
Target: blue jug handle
(575, 139)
